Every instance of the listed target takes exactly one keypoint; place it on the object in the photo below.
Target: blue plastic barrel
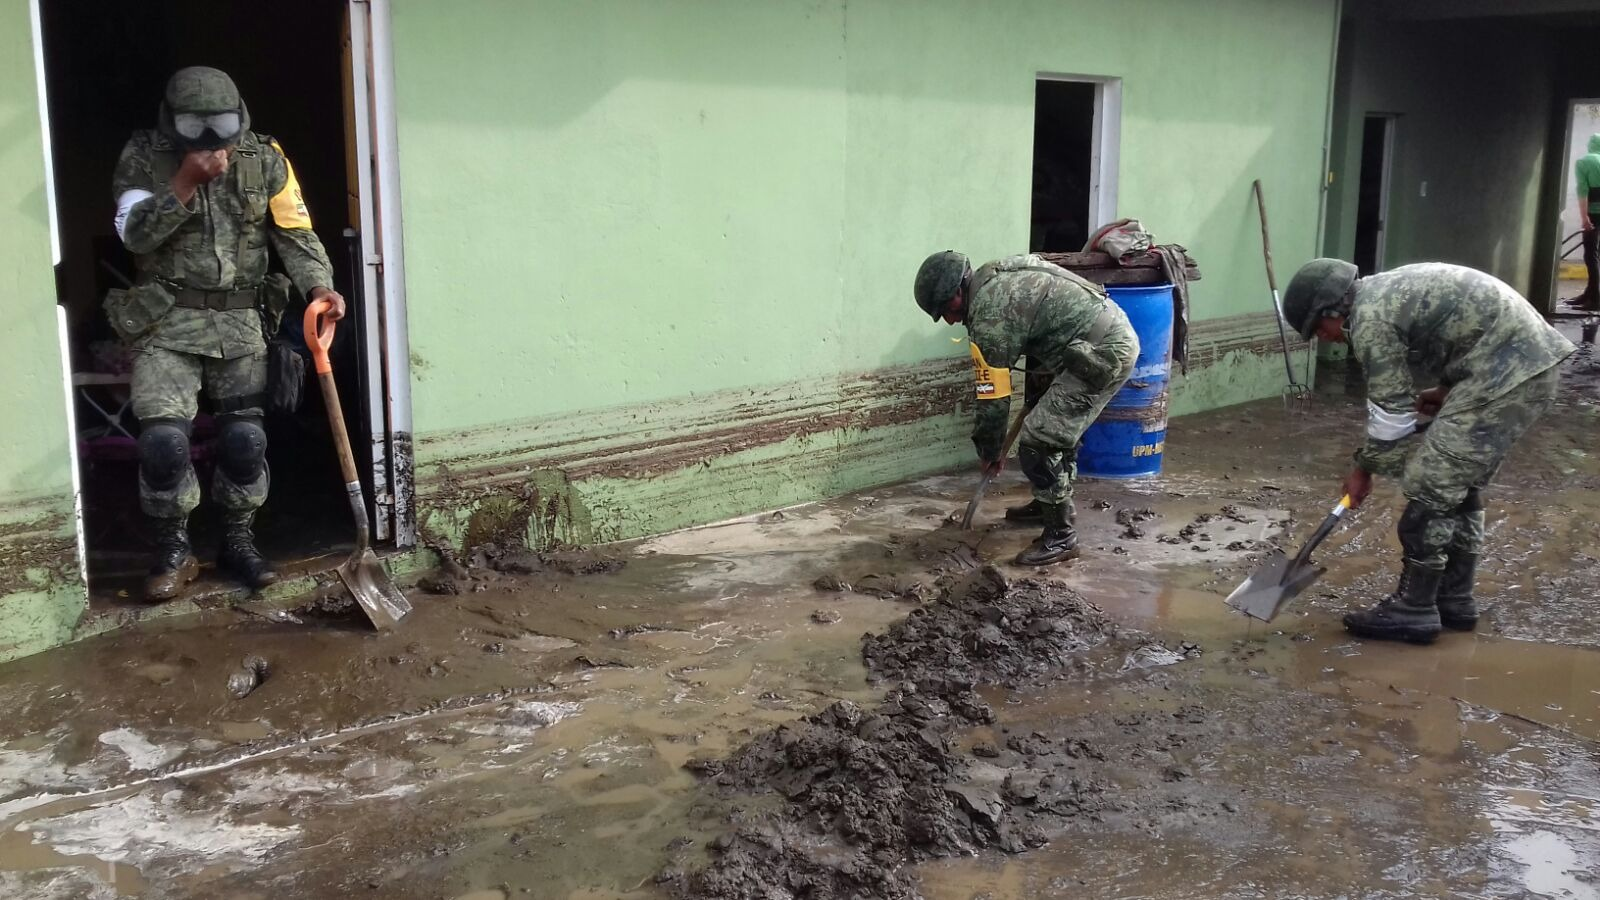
(1129, 437)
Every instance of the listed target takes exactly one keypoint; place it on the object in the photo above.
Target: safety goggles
(191, 126)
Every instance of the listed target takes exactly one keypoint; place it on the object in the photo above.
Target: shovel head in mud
(362, 574)
(1265, 593)
(366, 580)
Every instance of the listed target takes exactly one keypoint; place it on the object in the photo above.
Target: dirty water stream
(528, 737)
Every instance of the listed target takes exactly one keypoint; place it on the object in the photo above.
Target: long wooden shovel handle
(319, 337)
(1266, 240)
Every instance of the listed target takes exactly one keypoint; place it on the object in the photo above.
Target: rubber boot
(1410, 614)
(239, 555)
(1058, 542)
(174, 565)
(1458, 609)
(1030, 513)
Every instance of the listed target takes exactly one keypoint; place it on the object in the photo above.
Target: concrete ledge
(288, 594)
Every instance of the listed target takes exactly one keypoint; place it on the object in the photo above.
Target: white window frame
(1105, 153)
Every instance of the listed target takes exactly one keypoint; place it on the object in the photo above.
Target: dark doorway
(1372, 204)
(105, 67)
(1063, 165)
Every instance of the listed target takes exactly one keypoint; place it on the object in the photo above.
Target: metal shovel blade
(366, 580)
(1265, 593)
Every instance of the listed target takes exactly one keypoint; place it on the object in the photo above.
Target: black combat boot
(174, 566)
(1411, 613)
(1458, 609)
(239, 555)
(1030, 513)
(1058, 542)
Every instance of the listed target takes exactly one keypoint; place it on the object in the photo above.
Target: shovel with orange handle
(362, 573)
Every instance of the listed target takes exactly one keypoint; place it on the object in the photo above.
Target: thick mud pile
(983, 629)
(861, 793)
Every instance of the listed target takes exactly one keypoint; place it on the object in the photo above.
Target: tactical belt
(193, 298)
(228, 406)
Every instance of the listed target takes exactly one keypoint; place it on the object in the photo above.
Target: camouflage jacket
(1450, 325)
(1023, 306)
(199, 246)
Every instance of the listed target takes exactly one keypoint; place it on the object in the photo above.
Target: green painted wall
(659, 254)
(619, 202)
(612, 206)
(1474, 101)
(40, 596)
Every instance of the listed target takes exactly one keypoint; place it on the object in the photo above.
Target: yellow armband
(288, 206)
(993, 384)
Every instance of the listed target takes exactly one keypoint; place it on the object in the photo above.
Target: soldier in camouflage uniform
(1066, 327)
(1497, 366)
(199, 201)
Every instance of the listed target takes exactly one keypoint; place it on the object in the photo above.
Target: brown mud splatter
(864, 792)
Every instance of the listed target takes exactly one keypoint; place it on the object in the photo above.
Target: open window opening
(105, 69)
(1074, 161)
(1372, 203)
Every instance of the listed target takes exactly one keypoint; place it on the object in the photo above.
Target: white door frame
(383, 269)
(1105, 150)
(63, 337)
(1391, 122)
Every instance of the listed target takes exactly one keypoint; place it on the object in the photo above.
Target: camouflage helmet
(1317, 290)
(941, 275)
(199, 104)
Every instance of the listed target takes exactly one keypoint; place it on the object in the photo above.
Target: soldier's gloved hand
(1357, 486)
(202, 166)
(336, 311)
(1430, 401)
(199, 167)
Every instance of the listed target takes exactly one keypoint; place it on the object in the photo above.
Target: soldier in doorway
(199, 201)
(1497, 363)
(1067, 327)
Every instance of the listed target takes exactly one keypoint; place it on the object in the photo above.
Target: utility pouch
(135, 312)
(1084, 361)
(277, 295)
(286, 368)
(286, 377)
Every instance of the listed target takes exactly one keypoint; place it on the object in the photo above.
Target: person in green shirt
(1587, 177)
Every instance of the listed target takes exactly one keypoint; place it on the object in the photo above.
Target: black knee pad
(241, 448)
(1473, 503)
(1035, 463)
(163, 452)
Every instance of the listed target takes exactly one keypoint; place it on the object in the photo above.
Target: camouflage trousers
(1067, 407)
(166, 386)
(1460, 454)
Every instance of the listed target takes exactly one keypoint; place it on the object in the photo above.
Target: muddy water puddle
(1284, 759)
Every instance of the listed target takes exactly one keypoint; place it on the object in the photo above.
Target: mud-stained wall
(40, 595)
(630, 471)
(621, 217)
(659, 255)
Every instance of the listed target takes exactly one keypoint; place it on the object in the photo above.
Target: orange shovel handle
(319, 335)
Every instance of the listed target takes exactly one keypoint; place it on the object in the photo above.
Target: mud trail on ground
(862, 792)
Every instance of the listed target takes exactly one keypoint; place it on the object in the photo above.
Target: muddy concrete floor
(528, 736)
